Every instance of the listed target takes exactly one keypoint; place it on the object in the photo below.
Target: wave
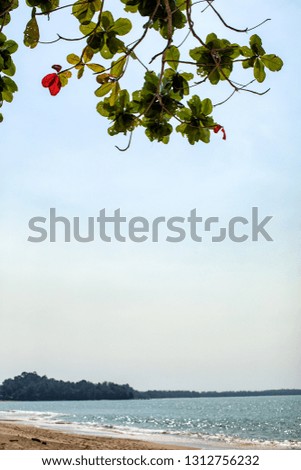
(56, 421)
(28, 417)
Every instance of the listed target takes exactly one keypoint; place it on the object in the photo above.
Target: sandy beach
(23, 437)
(16, 436)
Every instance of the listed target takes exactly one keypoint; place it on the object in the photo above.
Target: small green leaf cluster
(7, 70)
(46, 6)
(197, 121)
(157, 103)
(165, 16)
(102, 36)
(258, 59)
(120, 113)
(79, 63)
(215, 59)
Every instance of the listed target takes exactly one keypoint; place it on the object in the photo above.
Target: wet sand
(15, 436)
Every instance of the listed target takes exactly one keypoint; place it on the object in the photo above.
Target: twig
(245, 30)
(128, 145)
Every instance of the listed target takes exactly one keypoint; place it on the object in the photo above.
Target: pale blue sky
(156, 315)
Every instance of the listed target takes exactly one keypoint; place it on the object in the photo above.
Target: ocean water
(217, 423)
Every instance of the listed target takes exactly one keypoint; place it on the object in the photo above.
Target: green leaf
(184, 114)
(64, 77)
(114, 95)
(4, 20)
(204, 135)
(225, 73)
(7, 96)
(115, 45)
(97, 4)
(180, 4)
(246, 51)
(106, 53)
(79, 9)
(118, 66)
(87, 28)
(122, 26)
(234, 52)
(195, 105)
(207, 107)
(1, 117)
(102, 109)
(272, 62)
(31, 33)
(2, 39)
(196, 53)
(214, 76)
(96, 68)
(104, 89)
(88, 54)
(187, 76)
(10, 70)
(247, 63)
(131, 8)
(211, 37)
(178, 18)
(259, 72)
(73, 59)
(83, 11)
(103, 78)
(256, 45)
(80, 72)
(151, 80)
(96, 41)
(10, 85)
(10, 46)
(107, 20)
(172, 57)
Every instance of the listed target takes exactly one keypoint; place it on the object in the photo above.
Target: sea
(205, 423)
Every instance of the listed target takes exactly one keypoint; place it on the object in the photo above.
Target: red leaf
(49, 79)
(55, 87)
(218, 128)
(56, 67)
(53, 82)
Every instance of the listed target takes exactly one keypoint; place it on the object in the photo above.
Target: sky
(157, 315)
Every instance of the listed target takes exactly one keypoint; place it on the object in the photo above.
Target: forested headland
(29, 386)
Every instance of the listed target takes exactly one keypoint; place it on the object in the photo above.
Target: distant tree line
(29, 386)
(189, 394)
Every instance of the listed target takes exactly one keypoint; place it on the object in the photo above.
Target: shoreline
(16, 435)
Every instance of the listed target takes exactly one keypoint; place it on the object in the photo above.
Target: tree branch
(245, 30)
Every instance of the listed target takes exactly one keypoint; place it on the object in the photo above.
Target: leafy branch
(164, 103)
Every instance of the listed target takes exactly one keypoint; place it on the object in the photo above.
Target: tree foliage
(29, 386)
(170, 94)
